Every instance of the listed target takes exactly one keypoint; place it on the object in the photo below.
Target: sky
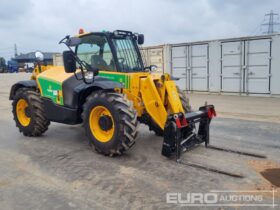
(40, 24)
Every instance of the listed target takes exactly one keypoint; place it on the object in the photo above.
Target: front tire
(28, 111)
(184, 100)
(110, 122)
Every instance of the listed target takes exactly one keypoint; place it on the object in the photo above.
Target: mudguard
(75, 91)
(22, 84)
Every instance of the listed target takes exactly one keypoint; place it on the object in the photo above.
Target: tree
(2, 65)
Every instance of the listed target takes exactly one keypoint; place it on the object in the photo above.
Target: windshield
(95, 51)
(128, 58)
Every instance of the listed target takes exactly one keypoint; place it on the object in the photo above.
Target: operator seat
(98, 62)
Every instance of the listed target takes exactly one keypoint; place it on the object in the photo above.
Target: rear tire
(118, 135)
(28, 111)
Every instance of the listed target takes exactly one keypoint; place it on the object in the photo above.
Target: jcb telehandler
(105, 85)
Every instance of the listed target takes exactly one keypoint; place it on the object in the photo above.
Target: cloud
(11, 10)
(33, 24)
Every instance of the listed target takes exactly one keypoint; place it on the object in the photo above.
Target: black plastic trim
(61, 114)
(22, 84)
(75, 91)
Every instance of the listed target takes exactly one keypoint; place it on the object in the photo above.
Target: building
(30, 58)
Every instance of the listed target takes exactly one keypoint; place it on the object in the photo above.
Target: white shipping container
(246, 65)
(154, 56)
(190, 64)
(57, 59)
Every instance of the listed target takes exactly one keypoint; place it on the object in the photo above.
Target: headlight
(89, 75)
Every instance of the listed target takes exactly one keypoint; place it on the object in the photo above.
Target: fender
(22, 84)
(75, 91)
(74, 94)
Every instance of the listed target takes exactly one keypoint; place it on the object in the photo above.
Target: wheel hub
(23, 112)
(105, 122)
(101, 124)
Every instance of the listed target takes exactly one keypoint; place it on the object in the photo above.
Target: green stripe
(50, 80)
(122, 78)
(50, 89)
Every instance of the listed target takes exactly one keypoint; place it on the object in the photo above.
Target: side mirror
(140, 39)
(69, 61)
(39, 56)
(153, 68)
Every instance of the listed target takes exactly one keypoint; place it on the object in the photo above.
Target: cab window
(95, 51)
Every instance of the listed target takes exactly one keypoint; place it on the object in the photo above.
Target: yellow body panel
(152, 101)
(57, 73)
(133, 92)
(38, 70)
(160, 98)
(173, 98)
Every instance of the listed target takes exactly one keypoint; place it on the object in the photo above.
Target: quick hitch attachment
(180, 131)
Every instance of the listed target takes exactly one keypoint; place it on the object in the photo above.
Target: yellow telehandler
(105, 85)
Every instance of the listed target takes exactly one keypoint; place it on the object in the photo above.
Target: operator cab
(106, 51)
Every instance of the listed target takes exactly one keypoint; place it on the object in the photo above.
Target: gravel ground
(59, 170)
